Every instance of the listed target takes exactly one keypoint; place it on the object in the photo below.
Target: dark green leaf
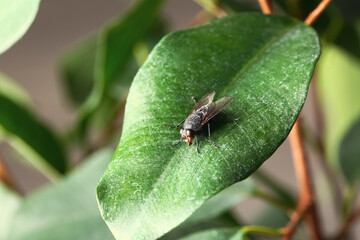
(271, 217)
(349, 38)
(264, 62)
(349, 153)
(116, 42)
(239, 6)
(67, 210)
(34, 140)
(339, 88)
(77, 69)
(16, 17)
(9, 203)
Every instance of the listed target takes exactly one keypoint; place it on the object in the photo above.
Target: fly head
(187, 135)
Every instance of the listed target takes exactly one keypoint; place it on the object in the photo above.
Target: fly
(204, 110)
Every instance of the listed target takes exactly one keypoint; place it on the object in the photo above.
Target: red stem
(4, 176)
(265, 6)
(317, 11)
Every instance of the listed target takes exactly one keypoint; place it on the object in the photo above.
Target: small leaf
(216, 234)
(349, 153)
(76, 68)
(271, 217)
(264, 62)
(339, 88)
(16, 17)
(34, 140)
(9, 203)
(348, 37)
(116, 42)
(66, 210)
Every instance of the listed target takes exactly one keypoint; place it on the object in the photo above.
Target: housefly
(204, 110)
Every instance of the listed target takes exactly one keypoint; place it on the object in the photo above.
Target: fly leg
(176, 126)
(197, 144)
(193, 99)
(229, 118)
(212, 142)
(176, 144)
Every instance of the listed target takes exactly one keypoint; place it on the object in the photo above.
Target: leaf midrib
(257, 55)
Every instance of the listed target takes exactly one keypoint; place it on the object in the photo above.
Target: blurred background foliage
(96, 73)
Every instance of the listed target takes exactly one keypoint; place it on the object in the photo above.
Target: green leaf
(116, 42)
(235, 6)
(9, 203)
(234, 233)
(66, 210)
(338, 87)
(264, 62)
(16, 17)
(34, 140)
(271, 217)
(349, 153)
(224, 221)
(76, 67)
(223, 201)
(214, 213)
(216, 234)
(13, 91)
(348, 37)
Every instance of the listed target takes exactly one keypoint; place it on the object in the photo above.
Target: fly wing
(208, 98)
(216, 107)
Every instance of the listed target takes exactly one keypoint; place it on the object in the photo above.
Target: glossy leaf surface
(339, 88)
(66, 210)
(16, 17)
(264, 62)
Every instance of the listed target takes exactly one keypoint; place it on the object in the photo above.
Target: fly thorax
(193, 122)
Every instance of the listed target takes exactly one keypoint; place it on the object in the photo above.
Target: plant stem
(259, 230)
(347, 224)
(306, 204)
(316, 12)
(265, 6)
(316, 142)
(212, 7)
